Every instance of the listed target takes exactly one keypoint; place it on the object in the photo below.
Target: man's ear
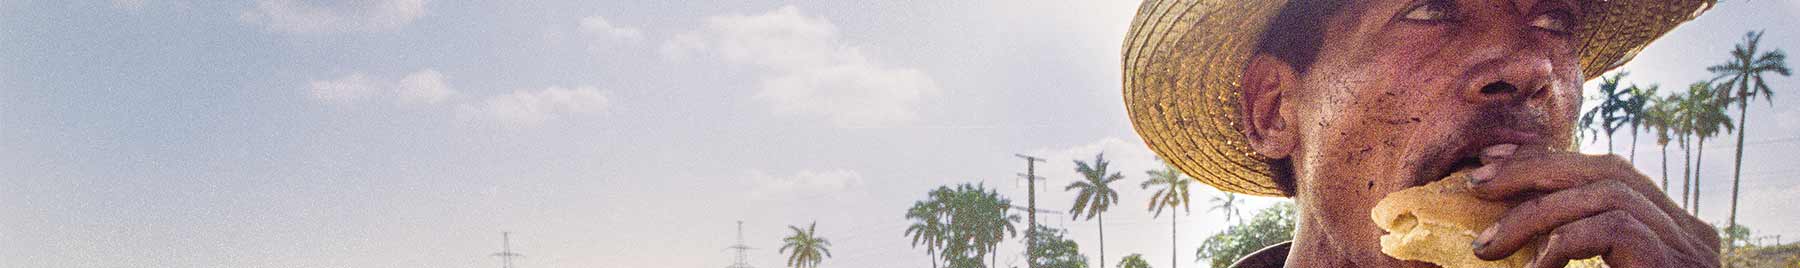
(1265, 86)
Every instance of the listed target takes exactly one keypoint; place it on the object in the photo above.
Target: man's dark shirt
(1274, 256)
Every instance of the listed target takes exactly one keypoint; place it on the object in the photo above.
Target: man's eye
(1555, 22)
(1430, 11)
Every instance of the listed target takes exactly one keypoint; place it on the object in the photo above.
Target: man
(1336, 103)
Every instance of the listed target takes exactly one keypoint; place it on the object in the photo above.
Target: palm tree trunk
(933, 259)
(1633, 157)
(1737, 168)
(1102, 240)
(1699, 153)
(1174, 219)
(1665, 167)
(1687, 155)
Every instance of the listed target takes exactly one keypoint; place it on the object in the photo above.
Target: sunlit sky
(410, 133)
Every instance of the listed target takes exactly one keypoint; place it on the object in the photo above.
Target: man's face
(1404, 92)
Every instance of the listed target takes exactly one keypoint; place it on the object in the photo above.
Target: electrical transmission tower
(506, 254)
(742, 260)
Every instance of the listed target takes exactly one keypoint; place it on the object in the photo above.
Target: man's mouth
(1443, 168)
(1489, 127)
(1461, 164)
(1475, 153)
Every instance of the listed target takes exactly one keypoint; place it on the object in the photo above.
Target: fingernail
(1483, 239)
(1482, 175)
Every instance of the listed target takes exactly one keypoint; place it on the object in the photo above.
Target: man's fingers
(1587, 205)
(1529, 173)
(1541, 215)
(1614, 235)
(1526, 174)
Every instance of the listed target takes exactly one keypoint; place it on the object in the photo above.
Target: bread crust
(1436, 223)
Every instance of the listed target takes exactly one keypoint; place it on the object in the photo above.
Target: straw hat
(1182, 59)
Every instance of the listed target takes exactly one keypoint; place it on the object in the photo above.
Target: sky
(411, 133)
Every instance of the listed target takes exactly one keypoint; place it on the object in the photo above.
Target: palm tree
(992, 223)
(1634, 108)
(1706, 116)
(1682, 127)
(808, 248)
(1230, 205)
(1659, 118)
(961, 226)
(928, 228)
(1745, 73)
(1134, 261)
(1173, 193)
(1607, 112)
(1094, 194)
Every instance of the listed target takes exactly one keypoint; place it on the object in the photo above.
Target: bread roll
(1436, 222)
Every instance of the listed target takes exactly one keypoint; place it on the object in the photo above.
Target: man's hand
(1586, 206)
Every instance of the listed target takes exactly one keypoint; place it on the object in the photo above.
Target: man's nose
(1510, 67)
(1518, 79)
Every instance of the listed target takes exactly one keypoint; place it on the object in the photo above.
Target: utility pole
(506, 254)
(742, 261)
(1028, 239)
(1031, 179)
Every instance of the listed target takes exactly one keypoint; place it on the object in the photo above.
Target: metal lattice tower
(742, 259)
(506, 254)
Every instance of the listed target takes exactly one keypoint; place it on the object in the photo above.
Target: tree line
(1689, 118)
(960, 226)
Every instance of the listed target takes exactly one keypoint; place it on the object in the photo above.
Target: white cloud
(424, 87)
(427, 87)
(602, 31)
(850, 95)
(808, 70)
(524, 108)
(348, 89)
(294, 16)
(803, 182)
(681, 46)
(421, 87)
(780, 39)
